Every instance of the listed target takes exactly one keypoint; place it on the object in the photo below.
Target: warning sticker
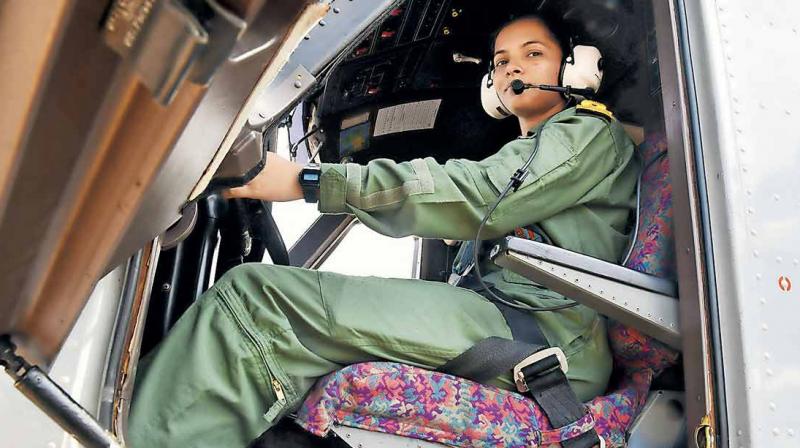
(406, 117)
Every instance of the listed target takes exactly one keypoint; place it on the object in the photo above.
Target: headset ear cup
(584, 70)
(490, 100)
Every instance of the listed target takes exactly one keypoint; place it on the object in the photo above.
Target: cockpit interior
(409, 87)
(345, 82)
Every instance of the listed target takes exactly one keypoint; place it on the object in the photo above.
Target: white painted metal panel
(746, 59)
(78, 369)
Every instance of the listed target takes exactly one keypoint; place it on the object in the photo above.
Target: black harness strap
(489, 359)
(546, 381)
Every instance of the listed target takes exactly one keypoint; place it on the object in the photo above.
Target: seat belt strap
(524, 327)
(488, 359)
(538, 369)
(552, 393)
(544, 379)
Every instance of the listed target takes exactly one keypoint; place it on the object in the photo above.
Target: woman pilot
(250, 349)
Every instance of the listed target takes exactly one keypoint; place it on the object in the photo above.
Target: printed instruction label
(406, 117)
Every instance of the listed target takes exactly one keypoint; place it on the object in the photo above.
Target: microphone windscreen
(517, 86)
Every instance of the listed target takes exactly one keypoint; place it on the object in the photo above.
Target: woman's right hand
(277, 182)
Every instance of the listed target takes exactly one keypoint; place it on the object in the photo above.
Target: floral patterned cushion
(414, 402)
(418, 403)
(653, 251)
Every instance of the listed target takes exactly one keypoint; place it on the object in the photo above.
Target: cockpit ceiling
(439, 50)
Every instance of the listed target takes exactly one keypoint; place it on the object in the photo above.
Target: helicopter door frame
(698, 307)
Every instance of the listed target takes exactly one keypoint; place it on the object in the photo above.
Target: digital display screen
(311, 177)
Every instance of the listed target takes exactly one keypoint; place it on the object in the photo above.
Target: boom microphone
(517, 86)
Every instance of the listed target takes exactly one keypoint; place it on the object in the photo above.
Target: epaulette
(587, 107)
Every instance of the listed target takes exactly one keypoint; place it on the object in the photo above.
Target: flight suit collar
(569, 110)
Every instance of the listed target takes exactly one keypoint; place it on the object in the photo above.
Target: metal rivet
(758, 276)
(770, 372)
(776, 431)
(779, 260)
(298, 84)
(739, 433)
(764, 327)
(166, 287)
(772, 406)
(755, 254)
(306, 37)
(322, 23)
(776, 198)
(336, 10)
(763, 301)
(753, 232)
(766, 356)
(790, 432)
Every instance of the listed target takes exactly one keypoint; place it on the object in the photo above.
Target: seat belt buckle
(455, 277)
(519, 376)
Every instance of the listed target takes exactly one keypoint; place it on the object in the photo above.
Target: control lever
(459, 58)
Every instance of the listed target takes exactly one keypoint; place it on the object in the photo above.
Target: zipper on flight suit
(277, 387)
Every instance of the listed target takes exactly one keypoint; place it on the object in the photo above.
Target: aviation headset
(581, 70)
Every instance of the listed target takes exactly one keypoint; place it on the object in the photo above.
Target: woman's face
(526, 50)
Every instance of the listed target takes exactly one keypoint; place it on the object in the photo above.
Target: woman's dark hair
(558, 28)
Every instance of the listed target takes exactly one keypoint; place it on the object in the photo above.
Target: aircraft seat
(383, 399)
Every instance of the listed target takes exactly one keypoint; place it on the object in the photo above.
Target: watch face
(311, 177)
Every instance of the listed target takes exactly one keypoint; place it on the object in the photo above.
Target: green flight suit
(253, 345)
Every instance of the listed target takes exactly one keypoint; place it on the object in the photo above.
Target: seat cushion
(413, 402)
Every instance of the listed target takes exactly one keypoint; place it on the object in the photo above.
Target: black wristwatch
(309, 182)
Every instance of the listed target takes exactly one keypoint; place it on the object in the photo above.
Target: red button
(387, 34)
(396, 12)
